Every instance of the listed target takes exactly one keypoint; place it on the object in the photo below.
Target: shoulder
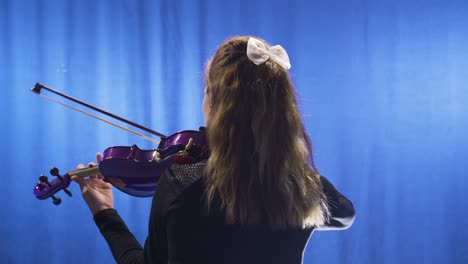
(174, 183)
(179, 177)
(341, 209)
(185, 174)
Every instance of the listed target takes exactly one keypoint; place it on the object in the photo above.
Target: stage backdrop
(382, 87)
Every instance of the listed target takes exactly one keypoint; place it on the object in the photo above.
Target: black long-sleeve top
(181, 230)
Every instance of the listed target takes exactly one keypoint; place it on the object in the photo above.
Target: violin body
(131, 169)
(136, 172)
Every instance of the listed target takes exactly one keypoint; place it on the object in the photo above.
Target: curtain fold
(382, 87)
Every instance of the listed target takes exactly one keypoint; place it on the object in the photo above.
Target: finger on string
(91, 164)
(98, 160)
(98, 157)
(78, 180)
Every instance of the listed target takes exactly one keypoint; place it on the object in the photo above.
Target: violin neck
(85, 171)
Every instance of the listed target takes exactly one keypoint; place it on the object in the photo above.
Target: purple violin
(130, 169)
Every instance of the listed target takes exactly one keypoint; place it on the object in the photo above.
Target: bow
(259, 53)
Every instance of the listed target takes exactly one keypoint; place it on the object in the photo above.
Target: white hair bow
(259, 53)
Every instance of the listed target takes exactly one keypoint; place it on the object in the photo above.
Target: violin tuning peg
(56, 200)
(54, 171)
(44, 179)
(68, 192)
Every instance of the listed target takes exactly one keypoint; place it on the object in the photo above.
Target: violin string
(101, 119)
(84, 172)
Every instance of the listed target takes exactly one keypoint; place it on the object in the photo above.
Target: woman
(258, 196)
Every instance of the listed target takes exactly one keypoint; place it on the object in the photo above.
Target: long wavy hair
(261, 166)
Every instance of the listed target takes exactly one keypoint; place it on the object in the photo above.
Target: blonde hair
(260, 166)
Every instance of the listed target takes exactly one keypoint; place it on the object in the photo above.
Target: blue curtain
(382, 87)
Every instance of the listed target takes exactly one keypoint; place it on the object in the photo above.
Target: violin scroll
(45, 189)
(55, 172)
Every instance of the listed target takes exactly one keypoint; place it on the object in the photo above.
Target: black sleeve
(123, 244)
(341, 209)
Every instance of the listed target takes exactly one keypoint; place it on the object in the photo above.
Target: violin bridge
(184, 153)
(157, 156)
(183, 157)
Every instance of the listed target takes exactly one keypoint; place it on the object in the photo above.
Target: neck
(85, 171)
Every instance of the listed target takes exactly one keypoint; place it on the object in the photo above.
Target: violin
(130, 169)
